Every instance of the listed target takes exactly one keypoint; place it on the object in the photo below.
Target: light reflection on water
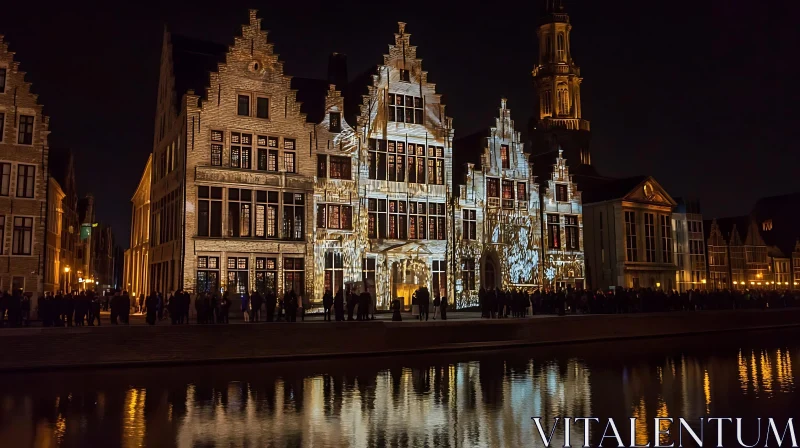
(473, 399)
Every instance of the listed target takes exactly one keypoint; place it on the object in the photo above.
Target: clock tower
(557, 79)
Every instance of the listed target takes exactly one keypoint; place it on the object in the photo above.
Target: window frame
(31, 126)
(28, 182)
(25, 233)
(258, 107)
(239, 97)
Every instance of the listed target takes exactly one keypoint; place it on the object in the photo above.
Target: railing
(522, 205)
(573, 124)
(494, 202)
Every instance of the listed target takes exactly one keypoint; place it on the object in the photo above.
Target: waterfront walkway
(38, 348)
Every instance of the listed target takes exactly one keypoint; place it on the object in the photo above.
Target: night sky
(703, 95)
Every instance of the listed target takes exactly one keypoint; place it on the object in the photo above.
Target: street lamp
(66, 271)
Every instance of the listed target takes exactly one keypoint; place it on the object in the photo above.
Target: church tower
(558, 82)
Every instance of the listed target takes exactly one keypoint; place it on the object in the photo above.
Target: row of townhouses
(49, 238)
(261, 181)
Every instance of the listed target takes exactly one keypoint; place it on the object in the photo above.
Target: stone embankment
(107, 346)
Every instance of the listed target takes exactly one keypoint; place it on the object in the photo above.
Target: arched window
(547, 103)
(562, 52)
(563, 99)
(548, 47)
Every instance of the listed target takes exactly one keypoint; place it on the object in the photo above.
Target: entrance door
(489, 276)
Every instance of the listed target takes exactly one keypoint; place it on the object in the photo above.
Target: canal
(450, 400)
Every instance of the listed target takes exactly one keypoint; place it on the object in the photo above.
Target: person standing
(271, 301)
(151, 307)
(443, 306)
(327, 303)
(224, 307)
(141, 303)
(125, 308)
(338, 305)
(424, 300)
(363, 305)
(436, 304)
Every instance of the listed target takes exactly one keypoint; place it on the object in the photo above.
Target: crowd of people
(84, 308)
(360, 304)
(499, 303)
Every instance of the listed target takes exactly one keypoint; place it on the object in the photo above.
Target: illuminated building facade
(497, 228)
(63, 236)
(690, 246)
(404, 178)
(233, 170)
(745, 258)
(136, 268)
(629, 235)
(563, 262)
(24, 131)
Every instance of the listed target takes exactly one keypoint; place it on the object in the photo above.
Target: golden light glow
(66, 269)
(658, 284)
(735, 282)
(707, 391)
(704, 281)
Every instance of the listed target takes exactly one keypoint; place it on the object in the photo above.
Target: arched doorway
(489, 274)
(490, 271)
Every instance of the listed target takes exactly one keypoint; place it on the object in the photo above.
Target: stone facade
(690, 246)
(24, 132)
(497, 229)
(562, 258)
(629, 235)
(136, 268)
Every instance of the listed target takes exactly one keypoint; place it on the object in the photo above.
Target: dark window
(239, 212)
(293, 216)
(571, 232)
(2, 125)
(561, 193)
(522, 195)
(2, 80)
(25, 130)
(650, 237)
(209, 216)
(504, 157)
(469, 224)
(335, 122)
(243, 105)
(405, 76)
(341, 167)
(5, 181)
(26, 175)
(322, 166)
(553, 232)
(23, 236)
(262, 107)
(493, 187)
(468, 274)
(3, 233)
(294, 276)
(216, 154)
(630, 236)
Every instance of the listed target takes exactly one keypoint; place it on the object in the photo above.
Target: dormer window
(405, 75)
(561, 193)
(504, 161)
(335, 122)
(766, 225)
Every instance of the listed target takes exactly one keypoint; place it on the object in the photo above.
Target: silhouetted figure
(151, 307)
(396, 316)
(327, 303)
(338, 305)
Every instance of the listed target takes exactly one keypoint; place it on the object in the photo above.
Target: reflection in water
(456, 400)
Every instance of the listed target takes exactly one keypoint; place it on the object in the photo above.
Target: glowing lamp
(703, 281)
(66, 269)
(80, 279)
(735, 282)
(753, 283)
(97, 282)
(759, 283)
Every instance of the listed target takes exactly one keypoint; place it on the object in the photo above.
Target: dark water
(470, 399)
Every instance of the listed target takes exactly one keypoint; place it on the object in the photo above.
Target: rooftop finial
(402, 27)
(503, 102)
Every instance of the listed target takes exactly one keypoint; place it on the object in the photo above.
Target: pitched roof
(467, 149)
(726, 226)
(311, 93)
(192, 60)
(58, 163)
(609, 189)
(784, 213)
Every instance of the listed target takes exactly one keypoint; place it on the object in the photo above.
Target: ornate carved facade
(497, 237)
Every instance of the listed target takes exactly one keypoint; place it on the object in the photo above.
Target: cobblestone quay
(106, 346)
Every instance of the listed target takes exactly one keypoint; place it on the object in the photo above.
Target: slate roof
(604, 189)
(58, 163)
(311, 93)
(192, 61)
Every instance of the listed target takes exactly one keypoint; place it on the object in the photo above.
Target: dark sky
(703, 95)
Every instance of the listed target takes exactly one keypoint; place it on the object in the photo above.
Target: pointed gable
(504, 151)
(650, 192)
(715, 237)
